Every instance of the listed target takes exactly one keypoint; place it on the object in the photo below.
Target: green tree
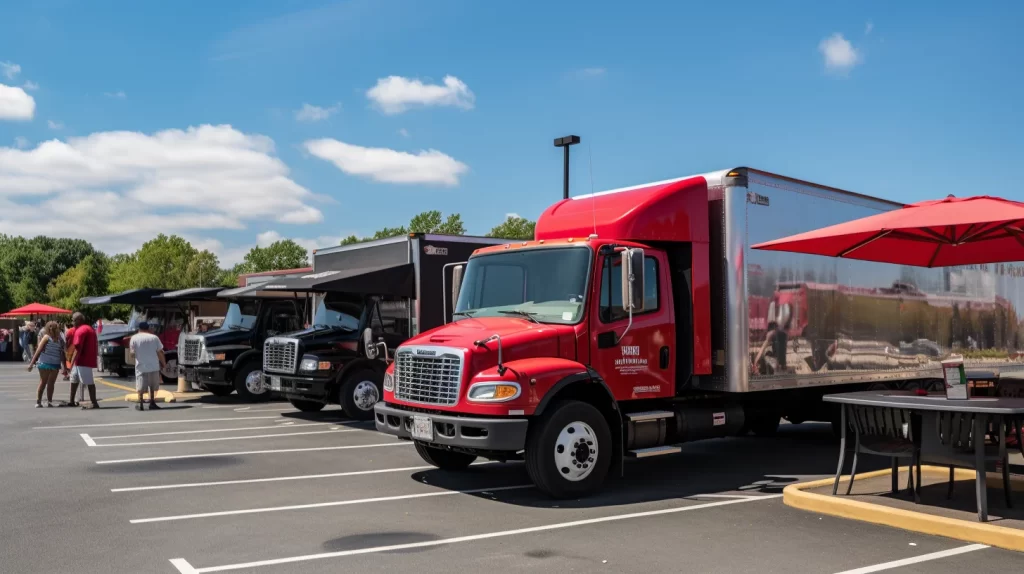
(203, 270)
(166, 262)
(426, 222)
(514, 227)
(282, 254)
(350, 240)
(388, 232)
(29, 265)
(88, 278)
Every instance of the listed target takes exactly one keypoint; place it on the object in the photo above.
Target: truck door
(642, 364)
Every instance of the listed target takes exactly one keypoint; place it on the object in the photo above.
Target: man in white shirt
(149, 360)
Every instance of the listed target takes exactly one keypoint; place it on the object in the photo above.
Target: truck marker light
(516, 412)
(389, 382)
(324, 365)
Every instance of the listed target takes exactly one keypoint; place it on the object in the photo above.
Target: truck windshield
(238, 317)
(339, 313)
(544, 284)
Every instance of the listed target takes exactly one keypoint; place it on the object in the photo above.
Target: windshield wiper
(464, 313)
(528, 314)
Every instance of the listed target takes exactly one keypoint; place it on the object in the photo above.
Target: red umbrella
(939, 233)
(35, 309)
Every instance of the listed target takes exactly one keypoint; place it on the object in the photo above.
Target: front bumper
(505, 434)
(205, 375)
(292, 386)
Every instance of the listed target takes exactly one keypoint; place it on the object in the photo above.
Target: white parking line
(282, 478)
(179, 421)
(210, 430)
(274, 451)
(327, 504)
(916, 559)
(88, 441)
(220, 438)
(184, 567)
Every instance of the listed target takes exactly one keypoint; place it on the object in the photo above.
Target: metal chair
(952, 444)
(883, 432)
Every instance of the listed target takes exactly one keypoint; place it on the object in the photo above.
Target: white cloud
(54, 125)
(30, 86)
(388, 165)
(396, 94)
(839, 53)
(16, 104)
(118, 95)
(403, 132)
(868, 27)
(9, 70)
(118, 189)
(21, 142)
(591, 72)
(311, 113)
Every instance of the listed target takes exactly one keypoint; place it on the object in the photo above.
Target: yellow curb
(133, 396)
(161, 396)
(795, 495)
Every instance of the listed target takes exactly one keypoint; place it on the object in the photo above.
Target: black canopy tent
(129, 297)
(191, 294)
(396, 279)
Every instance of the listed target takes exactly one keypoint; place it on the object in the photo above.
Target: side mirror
(456, 283)
(633, 280)
(368, 345)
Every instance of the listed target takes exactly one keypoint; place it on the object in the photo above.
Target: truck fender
(251, 354)
(588, 376)
(360, 363)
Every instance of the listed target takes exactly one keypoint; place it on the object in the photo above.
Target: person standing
(149, 360)
(83, 360)
(50, 356)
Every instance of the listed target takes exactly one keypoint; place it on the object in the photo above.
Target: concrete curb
(795, 495)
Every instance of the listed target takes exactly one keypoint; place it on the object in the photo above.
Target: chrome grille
(280, 355)
(428, 375)
(191, 351)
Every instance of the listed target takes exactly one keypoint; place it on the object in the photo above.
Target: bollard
(184, 386)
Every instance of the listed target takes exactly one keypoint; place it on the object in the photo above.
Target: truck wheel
(442, 458)
(359, 392)
(569, 452)
(249, 383)
(122, 372)
(220, 390)
(307, 406)
(170, 373)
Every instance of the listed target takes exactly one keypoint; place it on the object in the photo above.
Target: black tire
(220, 390)
(307, 406)
(442, 458)
(243, 391)
(354, 395)
(122, 372)
(764, 424)
(541, 450)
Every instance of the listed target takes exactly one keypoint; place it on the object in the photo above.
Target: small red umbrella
(939, 233)
(35, 309)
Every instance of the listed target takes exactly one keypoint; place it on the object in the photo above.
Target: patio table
(984, 409)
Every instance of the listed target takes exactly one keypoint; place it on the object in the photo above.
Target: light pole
(564, 143)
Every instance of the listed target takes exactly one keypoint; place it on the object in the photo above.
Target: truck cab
(341, 356)
(230, 358)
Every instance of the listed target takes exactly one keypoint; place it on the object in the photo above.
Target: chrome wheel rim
(254, 383)
(365, 395)
(576, 451)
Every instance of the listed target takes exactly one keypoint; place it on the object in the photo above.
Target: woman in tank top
(50, 357)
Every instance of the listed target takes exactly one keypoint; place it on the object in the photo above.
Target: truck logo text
(431, 250)
(757, 198)
(631, 362)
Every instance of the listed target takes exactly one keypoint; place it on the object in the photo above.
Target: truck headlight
(308, 365)
(494, 392)
(389, 382)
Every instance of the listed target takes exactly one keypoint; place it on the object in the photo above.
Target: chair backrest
(880, 422)
(956, 430)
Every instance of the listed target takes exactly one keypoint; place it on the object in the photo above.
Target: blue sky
(875, 97)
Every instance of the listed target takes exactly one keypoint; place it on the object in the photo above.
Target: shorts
(82, 375)
(48, 367)
(147, 381)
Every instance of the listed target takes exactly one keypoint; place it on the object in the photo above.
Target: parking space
(214, 485)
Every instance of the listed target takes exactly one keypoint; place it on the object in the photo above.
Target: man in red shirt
(83, 359)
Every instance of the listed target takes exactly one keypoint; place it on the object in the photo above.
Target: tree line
(61, 271)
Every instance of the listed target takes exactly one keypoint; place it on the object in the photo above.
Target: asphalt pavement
(215, 485)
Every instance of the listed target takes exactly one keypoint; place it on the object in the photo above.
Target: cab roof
(670, 210)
